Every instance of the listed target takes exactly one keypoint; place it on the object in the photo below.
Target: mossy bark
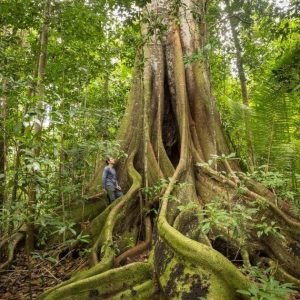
(171, 123)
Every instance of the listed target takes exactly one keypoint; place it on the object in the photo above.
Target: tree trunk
(2, 144)
(37, 127)
(239, 56)
(243, 80)
(170, 129)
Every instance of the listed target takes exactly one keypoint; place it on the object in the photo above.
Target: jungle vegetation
(198, 100)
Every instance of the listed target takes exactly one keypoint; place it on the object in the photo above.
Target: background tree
(3, 143)
(234, 20)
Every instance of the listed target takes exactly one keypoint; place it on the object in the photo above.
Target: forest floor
(18, 283)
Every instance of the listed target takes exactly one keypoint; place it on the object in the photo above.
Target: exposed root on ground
(107, 284)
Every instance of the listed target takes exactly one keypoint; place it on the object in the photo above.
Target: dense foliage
(82, 93)
(268, 32)
(90, 52)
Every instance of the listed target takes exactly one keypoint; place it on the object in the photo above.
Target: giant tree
(170, 131)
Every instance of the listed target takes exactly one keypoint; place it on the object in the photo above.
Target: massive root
(171, 128)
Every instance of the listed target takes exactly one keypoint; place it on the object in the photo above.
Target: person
(109, 180)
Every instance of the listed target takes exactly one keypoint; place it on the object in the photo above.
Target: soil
(19, 283)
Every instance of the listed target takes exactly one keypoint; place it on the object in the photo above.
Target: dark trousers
(113, 193)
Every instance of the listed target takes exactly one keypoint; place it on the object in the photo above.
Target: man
(109, 180)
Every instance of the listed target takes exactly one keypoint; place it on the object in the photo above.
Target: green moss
(86, 211)
(181, 279)
(109, 282)
(98, 223)
(162, 257)
(221, 272)
(143, 291)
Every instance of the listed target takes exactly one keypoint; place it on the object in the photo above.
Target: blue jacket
(109, 177)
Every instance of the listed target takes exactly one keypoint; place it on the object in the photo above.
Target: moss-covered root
(105, 263)
(193, 268)
(107, 284)
(194, 276)
(143, 291)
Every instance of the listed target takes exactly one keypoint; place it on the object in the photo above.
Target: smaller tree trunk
(239, 56)
(243, 80)
(2, 144)
(37, 128)
(106, 90)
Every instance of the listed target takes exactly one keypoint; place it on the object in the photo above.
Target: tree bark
(170, 129)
